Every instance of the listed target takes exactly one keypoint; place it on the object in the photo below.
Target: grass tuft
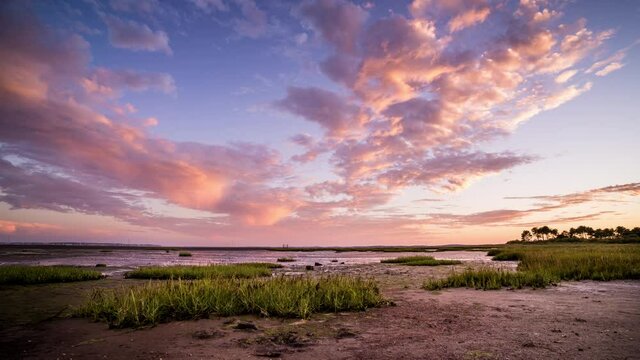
(297, 297)
(542, 265)
(286, 259)
(420, 261)
(245, 270)
(184, 254)
(23, 275)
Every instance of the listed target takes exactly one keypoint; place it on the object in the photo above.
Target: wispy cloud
(128, 34)
(549, 203)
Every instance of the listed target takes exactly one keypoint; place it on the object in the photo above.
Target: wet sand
(575, 320)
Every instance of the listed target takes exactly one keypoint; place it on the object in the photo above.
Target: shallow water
(119, 260)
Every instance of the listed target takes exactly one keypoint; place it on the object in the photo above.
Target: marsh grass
(23, 275)
(419, 261)
(541, 266)
(288, 297)
(245, 270)
(582, 262)
(286, 259)
(491, 279)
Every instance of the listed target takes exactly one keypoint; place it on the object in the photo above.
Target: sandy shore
(575, 320)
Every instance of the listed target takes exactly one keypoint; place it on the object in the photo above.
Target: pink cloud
(468, 18)
(430, 96)
(609, 69)
(20, 228)
(65, 144)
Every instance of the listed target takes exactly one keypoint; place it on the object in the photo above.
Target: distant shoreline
(409, 248)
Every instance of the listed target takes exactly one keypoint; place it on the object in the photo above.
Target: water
(120, 260)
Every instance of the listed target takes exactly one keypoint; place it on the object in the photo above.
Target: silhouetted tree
(544, 233)
(536, 232)
(584, 232)
(622, 231)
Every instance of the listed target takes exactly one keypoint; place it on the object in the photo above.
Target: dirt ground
(575, 320)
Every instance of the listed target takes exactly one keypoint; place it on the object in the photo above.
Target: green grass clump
(297, 297)
(493, 252)
(184, 254)
(286, 259)
(246, 270)
(420, 261)
(541, 265)
(22, 275)
(506, 255)
(491, 279)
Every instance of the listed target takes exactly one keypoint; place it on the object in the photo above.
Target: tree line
(546, 233)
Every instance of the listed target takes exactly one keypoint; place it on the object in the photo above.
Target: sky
(316, 122)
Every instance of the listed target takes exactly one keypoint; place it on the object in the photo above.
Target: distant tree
(584, 232)
(622, 231)
(608, 233)
(564, 235)
(526, 235)
(546, 232)
(597, 233)
(536, 233)
(573, 232)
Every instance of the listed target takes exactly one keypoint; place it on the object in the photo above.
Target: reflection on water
(122, 259)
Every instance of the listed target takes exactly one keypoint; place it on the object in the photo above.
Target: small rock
(318, 264)
(206, 334)
(334, 260)
(529, 344)
(270, 353)
(245, 325)
(344, 333)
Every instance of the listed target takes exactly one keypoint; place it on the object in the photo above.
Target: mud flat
(574, 320)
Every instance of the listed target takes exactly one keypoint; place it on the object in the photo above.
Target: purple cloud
(128, 34)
